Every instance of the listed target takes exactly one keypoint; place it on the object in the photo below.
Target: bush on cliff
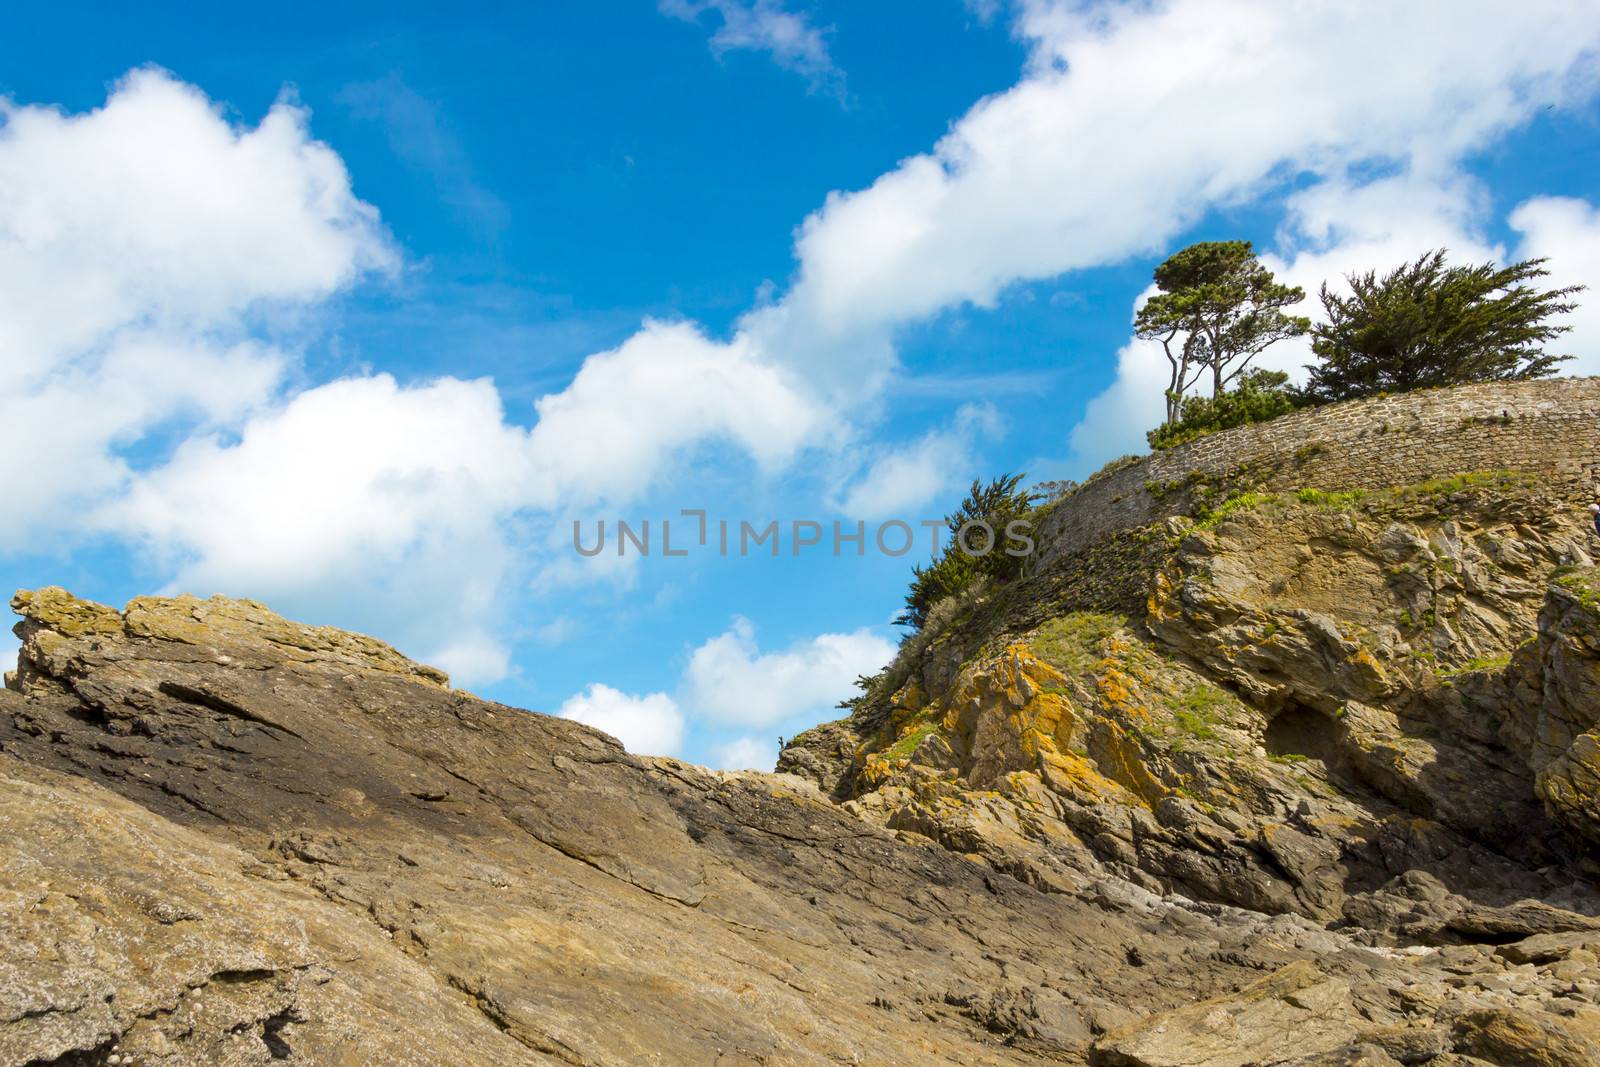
(1259, 396)
(997, 504)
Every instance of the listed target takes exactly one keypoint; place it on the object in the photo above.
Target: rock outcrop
(232, 839)
(1298, 777)
(1376, 711)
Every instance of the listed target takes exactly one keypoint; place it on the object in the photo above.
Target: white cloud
(766, 26)
(359, 488)
(558, 631)
(730, 680)
(136, 241)
(628, 412)
(983, 10)
(1134, 121)
(473, 656)
(420, 134)
(1567, 232)
(902, 479)
(746, 754)
(1330, 230)
(648, 725)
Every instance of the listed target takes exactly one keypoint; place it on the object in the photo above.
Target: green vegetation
(1479, 663)
(1204, 700)
(1581, 583)
(971, 553)
(1422, 325)
(1071, 643)
(1199, 712)
(1112, 467)
(1426, 324)
(1259, 396)
(1323, 498)
(1242, 501)
(903, 748)
(1226, 306)
(1246, 500)
(1309, 451)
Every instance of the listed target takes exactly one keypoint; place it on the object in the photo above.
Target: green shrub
(998, 504)
(1260, 396)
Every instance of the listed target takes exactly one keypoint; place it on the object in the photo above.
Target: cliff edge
(1281, 776)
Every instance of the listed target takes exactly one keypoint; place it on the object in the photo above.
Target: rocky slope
(1377, 711)
(1308, 779)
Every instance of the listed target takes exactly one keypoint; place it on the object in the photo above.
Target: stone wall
(1550, 428)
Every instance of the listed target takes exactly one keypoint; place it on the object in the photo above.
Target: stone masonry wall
(1550, 428)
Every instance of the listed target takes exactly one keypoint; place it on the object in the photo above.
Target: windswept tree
(1218, 309)
(997, 505)
(1428, 324)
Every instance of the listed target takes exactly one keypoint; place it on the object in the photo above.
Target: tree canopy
(1427, 324)
(998, 504)
(1221, 307)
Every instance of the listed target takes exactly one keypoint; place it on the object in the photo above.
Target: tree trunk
(1218, 364)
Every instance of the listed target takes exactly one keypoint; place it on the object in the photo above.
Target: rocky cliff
(1277, 777)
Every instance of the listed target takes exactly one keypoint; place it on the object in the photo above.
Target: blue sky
(354, 310)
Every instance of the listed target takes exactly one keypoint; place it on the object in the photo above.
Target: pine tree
(1227, 308)
(1427, 324)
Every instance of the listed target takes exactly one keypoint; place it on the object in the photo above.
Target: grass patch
(909, 741)
(1581, 584)
(1346, 500)
(1071, 643)
(1196, 726)
(1323, 498)
(1236, 503)
(1479, 663)
(1204, 700)
(1198, 711)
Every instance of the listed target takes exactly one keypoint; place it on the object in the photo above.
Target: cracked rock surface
(1281, 808)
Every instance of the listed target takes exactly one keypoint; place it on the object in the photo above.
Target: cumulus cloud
(360, 484)
(899, 480)
(729, 679)
(648, 725)
(1567, 232)
(746, 754)
(1134, 121)
(629, 411)
(766, 26)
(137, 243)
(1330, 230)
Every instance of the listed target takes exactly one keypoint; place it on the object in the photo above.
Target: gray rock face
(1326, 808)
(236, 840)
(1373, 711)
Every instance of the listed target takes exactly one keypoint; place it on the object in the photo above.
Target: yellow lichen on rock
(246, 626)
(56, 609)
(1570, 785)
(1014, 714)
